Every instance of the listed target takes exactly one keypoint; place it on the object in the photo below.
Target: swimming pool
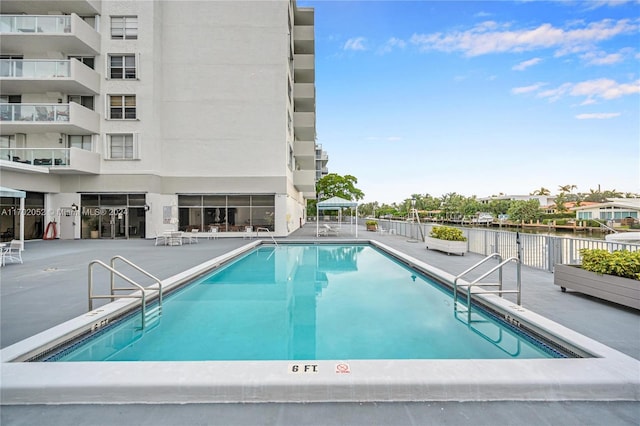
(309, 302)
(602, 374)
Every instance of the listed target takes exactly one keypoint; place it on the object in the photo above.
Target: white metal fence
(538, 251)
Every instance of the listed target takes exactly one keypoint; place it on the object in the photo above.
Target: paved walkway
(51, 287)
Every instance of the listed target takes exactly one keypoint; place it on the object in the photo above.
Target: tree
(560, 199)
(498, 207)
(334, 185)
(524, 210)
(541, 191)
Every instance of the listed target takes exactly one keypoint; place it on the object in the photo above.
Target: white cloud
(591, 90)
(491, 37)
(598, 116)
(356, 43)
(601, 58)
(555, 94)
(526, 64)
(394, 138)
(392, 44)
(527, 89)
(605, 88)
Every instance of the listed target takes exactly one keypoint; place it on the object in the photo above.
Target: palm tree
(541, 191)
(567, 188)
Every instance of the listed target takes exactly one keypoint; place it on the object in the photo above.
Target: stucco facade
(159, 115)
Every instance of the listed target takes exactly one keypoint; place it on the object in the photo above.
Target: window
(80, 141)
(89, 61)
(122, 67)
(122, 107)
(7, 141)
(121, 147)
(85, 101)
(124, 27)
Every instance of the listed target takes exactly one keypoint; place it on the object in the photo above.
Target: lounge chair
(326, 230)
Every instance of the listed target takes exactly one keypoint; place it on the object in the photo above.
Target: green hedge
(447, 233)
(621, 263)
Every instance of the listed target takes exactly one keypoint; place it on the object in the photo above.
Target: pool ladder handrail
(268, 231)
(113, 288)
(477, 283)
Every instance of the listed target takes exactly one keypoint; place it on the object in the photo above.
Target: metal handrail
(133, 265)
(455, 281)
(477, 283)
(500, 291)
(116, 296)
(268, 233)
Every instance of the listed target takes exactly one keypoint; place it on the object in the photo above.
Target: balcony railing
(37, 156)
(36, 69)
(57, 160)
(35, 24)
(34, 34)
(34, 112)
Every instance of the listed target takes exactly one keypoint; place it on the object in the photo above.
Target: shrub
(447, 233)
(620, 263)
(371, 223)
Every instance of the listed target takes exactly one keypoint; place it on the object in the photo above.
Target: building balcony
(56, 160)
(36, 7)
(35, 34)
(19, 76)
(304, 180)
(71, 118)
(304, 68)
(304, 151)
(304, 96)
(304, 125)
(303, 38)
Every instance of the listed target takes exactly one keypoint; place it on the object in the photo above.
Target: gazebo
(14, 193)
(335, 203)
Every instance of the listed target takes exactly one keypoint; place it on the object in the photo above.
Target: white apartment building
(135, 117)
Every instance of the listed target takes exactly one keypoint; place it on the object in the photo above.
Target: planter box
(457, 247)
(624, 291)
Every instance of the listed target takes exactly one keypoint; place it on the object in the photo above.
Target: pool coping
(609, 376)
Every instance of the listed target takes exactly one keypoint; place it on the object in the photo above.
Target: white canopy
(335, 203)
(8, 192)
(14, 193)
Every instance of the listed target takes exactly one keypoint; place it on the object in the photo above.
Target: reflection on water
(309, 302)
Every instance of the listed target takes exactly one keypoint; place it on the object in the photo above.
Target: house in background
(132, 118)
(614, 212)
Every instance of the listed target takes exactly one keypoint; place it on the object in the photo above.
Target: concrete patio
(54, 274)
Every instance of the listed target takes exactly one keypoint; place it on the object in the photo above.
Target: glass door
(114, 222)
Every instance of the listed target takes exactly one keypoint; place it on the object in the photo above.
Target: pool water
(309, 302)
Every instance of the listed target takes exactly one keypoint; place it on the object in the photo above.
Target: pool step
(152, 315)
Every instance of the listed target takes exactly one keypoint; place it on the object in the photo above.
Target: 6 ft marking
(303, 368)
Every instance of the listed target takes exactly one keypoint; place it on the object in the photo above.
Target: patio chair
(13, 253)
(213, 232)
(161, 239)
(248, 232)
(191, 237)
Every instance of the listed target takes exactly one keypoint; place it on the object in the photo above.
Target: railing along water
(538, 251)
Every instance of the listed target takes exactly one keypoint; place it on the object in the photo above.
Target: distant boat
(624, 237)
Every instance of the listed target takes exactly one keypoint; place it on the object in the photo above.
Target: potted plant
(612, 276)
(372, 225)
(92, 223)
(447, 239)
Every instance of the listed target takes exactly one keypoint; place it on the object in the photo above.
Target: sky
(479, 98)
